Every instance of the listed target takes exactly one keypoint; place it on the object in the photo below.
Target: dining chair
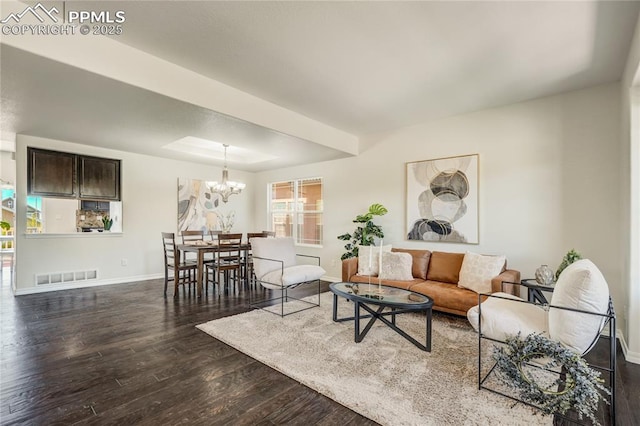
(227, 261)
(197, 235)
(184, 272)
(189, 236)
(269, 234)
(248, 258)
(209, 263)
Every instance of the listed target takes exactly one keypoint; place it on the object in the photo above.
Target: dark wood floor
(123, 354)
(627, 389)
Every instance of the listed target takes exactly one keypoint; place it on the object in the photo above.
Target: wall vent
(66, 277)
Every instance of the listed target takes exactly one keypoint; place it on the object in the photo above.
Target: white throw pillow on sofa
(366, 267)
(478, 270)
(396, 266)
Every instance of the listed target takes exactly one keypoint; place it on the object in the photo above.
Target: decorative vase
(544, 275)
(226, 222)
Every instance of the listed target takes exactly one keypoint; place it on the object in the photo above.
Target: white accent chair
(580, 308)
(276, 269)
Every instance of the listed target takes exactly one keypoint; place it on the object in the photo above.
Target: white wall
(7, 167)
(59, 215)
(630, 213)
(548, 181)
(631, 226)
(149, 202)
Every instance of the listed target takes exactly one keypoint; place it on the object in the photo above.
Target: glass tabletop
(380, 295)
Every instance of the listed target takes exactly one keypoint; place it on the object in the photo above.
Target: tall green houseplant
(365, 232)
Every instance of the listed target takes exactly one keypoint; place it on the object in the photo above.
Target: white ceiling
(45, 98)
(361, 67)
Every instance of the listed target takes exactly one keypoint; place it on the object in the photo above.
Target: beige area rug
(384, 378)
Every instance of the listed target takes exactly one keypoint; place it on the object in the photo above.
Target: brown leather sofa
(435, 274)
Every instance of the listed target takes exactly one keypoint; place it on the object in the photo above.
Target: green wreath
(581, 386)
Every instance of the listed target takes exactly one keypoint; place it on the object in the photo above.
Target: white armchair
(580, 308)
(276, 269)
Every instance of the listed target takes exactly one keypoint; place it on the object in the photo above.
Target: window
(34, 210)
(295, 210)
(34, 215)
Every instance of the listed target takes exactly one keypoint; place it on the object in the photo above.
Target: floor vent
(66, 277)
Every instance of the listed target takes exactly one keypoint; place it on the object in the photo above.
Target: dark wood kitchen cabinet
(99, 206)
(67, 175)
(52, 173)
(99, 178)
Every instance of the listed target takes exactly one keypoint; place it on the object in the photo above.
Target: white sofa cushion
(580, 286)
(292, 275)
(281, 249)
(396, 266)
(478, 270)
(369, 259)
(505, 318)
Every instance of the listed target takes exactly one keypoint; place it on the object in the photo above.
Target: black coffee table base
(379, 314)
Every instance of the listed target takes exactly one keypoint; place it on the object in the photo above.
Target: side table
(534, 290)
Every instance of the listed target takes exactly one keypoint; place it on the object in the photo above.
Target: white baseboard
(84, 284)
(632, 357)
(629, 356)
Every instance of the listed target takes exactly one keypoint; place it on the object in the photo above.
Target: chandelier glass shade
(227, 187)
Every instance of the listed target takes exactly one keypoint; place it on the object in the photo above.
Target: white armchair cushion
(291, 275)
(281, 249)
(580, 286)
(502, 318)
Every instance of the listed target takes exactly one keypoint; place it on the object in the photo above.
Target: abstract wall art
(442, 200)
(197, 206)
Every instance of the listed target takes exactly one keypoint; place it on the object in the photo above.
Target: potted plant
(567, 260)
(5, 226)
(107, 222)
(365, 232)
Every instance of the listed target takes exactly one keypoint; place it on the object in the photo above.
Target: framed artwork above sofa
(442, 200)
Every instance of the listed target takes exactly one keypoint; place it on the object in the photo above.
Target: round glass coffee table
(381, 302)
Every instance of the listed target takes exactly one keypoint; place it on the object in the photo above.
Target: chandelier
(226, 187)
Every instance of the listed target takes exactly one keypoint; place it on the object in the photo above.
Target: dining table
(201, 248)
